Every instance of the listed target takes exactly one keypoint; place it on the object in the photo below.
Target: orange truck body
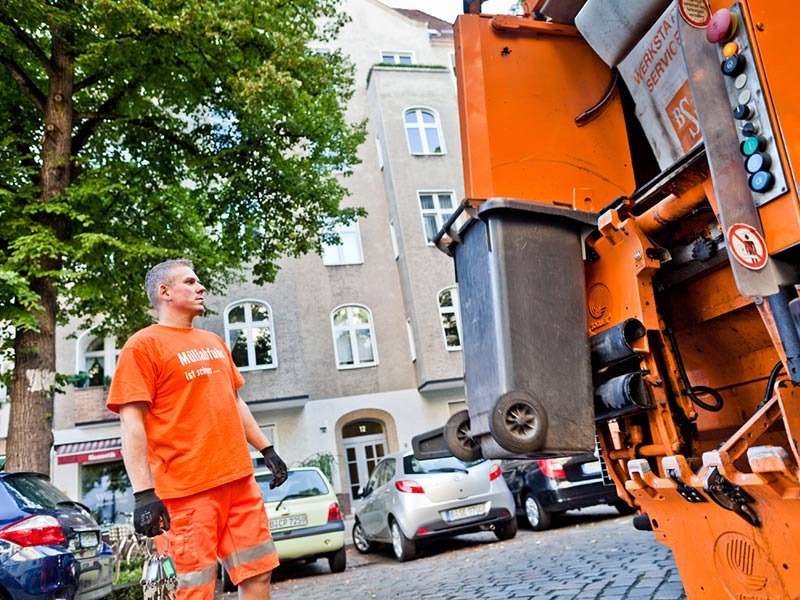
(687, 272)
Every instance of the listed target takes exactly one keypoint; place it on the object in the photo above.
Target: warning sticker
(747, 246)
(696, 13)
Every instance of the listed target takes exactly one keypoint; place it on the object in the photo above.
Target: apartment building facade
(351, 353)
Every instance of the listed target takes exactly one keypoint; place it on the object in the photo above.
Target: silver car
(407, 500)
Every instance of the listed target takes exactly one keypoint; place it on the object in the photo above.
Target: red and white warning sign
(747, 246)
(696, 13)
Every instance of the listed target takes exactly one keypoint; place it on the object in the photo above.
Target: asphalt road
(590, 554)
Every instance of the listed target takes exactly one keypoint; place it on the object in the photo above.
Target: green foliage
(130, 572)
(127, 592)
(324, 461)
(205, 128)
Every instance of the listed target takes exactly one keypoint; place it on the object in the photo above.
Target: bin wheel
(519, 422)
(458, 439)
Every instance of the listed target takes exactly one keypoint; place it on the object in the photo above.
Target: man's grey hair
(162, 274)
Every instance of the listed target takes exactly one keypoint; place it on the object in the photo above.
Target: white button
(744, 97)
(740, 81)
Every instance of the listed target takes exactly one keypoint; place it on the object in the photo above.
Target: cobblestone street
(593, 554)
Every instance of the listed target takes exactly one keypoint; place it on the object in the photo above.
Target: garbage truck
(627, 256)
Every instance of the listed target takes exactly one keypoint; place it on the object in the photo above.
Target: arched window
(250, 335)
(353, 337)
(448, 309)
(97, 358)
(423, 132)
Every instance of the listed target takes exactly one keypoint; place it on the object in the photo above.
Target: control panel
(757, 146)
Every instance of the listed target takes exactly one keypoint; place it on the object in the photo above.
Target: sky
(448, 10)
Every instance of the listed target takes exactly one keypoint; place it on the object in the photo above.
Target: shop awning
(91, 451)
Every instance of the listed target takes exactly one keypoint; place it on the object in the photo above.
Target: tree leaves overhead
(212, 129)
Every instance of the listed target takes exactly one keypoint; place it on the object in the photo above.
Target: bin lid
(494, 205)
(446, 238)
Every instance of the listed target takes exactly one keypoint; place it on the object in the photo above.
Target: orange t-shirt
(195, 436)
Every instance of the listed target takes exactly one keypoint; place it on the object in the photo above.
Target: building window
(96, 360)
(107, 492)
(423, 132)
(397, 58)
(348, 251)
(448, 309)
(436, 209)
(353, 337)
(250, 335)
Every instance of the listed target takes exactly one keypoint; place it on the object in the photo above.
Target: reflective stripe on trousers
(249, 555)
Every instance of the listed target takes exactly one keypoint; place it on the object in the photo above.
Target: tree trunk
(30, 434)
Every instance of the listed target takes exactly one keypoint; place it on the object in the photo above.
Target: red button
(721, 26)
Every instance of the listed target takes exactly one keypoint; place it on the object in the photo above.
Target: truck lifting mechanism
(627, 257)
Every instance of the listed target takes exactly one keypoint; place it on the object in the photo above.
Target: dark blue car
(50, 546)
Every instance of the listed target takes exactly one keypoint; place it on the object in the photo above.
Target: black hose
(773, 376)
(698, 389)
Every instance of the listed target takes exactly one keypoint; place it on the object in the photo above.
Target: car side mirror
(361, 492)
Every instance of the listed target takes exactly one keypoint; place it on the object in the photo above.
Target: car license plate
(88, 539)
(590, 468)
(465, 512)
(284, 522)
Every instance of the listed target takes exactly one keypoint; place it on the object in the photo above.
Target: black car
(548, 487)
(50, 546)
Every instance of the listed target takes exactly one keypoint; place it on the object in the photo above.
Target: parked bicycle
(128, 547)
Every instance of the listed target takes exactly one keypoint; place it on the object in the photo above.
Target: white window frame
(454, 310)
(395, 56)
(248, 326)
(421, 128)
(109, 353)
(357, 362)
(334, 255)
(441, 214)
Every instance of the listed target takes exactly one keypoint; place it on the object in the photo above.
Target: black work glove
(276, 465)
(150, 516)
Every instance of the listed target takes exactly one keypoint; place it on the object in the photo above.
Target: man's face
(185, 293)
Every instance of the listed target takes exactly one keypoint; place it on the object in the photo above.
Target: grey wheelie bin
(529, 391)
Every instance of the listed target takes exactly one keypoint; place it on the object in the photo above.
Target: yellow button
(730, 49)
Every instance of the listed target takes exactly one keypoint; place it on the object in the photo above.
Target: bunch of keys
(159, 577)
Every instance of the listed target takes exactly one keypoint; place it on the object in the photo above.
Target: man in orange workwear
(184, 433)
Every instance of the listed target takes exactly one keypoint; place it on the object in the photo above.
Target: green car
(304, 517)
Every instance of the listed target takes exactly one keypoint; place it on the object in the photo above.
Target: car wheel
(337, 561)
(360, 540)
(538, 518)
(404, 548)
(458, 439)
(227, 584)
(518, 422)
(506, 530)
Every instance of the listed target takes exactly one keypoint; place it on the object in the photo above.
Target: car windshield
(299, 484)
(33, 491)
(412, 466)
